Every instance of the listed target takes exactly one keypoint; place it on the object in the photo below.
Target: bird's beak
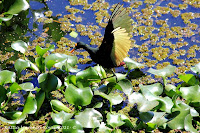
(73, 48)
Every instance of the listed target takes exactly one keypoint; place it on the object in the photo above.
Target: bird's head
(78, 45)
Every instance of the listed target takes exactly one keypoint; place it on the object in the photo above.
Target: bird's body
(116, 42)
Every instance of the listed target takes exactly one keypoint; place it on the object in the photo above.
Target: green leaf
(27, 86)
(13, 115)
(178, 121)
(40, 63)
(114, 120)
(157, 118)
(119, 77)
(101, 72)
(127, 121)
(33, 66)
(167, 71)
(21, 64)
(189, 79)
(104, 129)
(143, 104)
(61, 60)
(72, 126)
(188, 124)
(30, 105)
(166, 103)
(70, 79)
(20, 46)
(59, 106)
(41, 51)
(89, 118)
(191, 94)
(87, 76)
(48, 82)
(61, 117)
(7, 77)
(126, 86)
(113, 98)
(155, 89)
(18, 6)
(2, 94)
(98, 105)
(131, 64)
(16, 121)
(40, 96)
(196, 68)
(170, 90)
(7, 17)
(78, 96)
(14, 88)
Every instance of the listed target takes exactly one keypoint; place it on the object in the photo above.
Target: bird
(116, 42)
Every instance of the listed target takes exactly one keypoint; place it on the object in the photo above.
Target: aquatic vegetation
(165, 98)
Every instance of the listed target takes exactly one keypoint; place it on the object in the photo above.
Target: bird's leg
(114, 74)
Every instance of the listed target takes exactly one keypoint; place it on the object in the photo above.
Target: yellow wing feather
(121, 45)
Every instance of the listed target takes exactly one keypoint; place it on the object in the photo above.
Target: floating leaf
(166, 103)
(87, 76)
(27, 86)
(16, 121)
(98, 105)
(127, 121)
(61, 117)
(119, 77)
(40, 96)
(59, 106)
(70, 79)
(126, 86)
(18, 6)
(89, 118)
(113, 98)
(20, 46)
(7, 77)
(189, 79)
(13, 115)
(170, 90)
(14, 88)
(30, 105)
(78, 96)
(155, 89)
(191, 94)
(143, 104)
(167, 71)
(73, 34)
(41, 51)
(103, 128)
(101, 72)
(178, 121)
(73, 126)
(196, 68)
(21, 64)
(188, 124)
(48, 82)
(114, 120)
(131, 64)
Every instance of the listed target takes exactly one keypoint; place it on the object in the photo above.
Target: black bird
(116, 42)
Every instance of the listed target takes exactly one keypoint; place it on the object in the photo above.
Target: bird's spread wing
(116, 42)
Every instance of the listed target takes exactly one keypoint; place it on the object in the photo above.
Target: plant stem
(6, 103)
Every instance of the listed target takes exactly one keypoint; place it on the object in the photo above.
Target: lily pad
(61, 117)
(167, 71)
(196, 68)
(89, 118)
(78, 96)
(72, 126)
(7, 77)
(131, 64)
(114, 120)
(30, 105)
(191, 94)
(20, 46)
(113, 98)
(59, 106)
(18, 6)
(143, 104)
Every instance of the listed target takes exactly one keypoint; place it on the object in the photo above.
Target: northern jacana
(116, 42)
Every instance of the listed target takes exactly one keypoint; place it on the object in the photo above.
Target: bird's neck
(89, 49)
